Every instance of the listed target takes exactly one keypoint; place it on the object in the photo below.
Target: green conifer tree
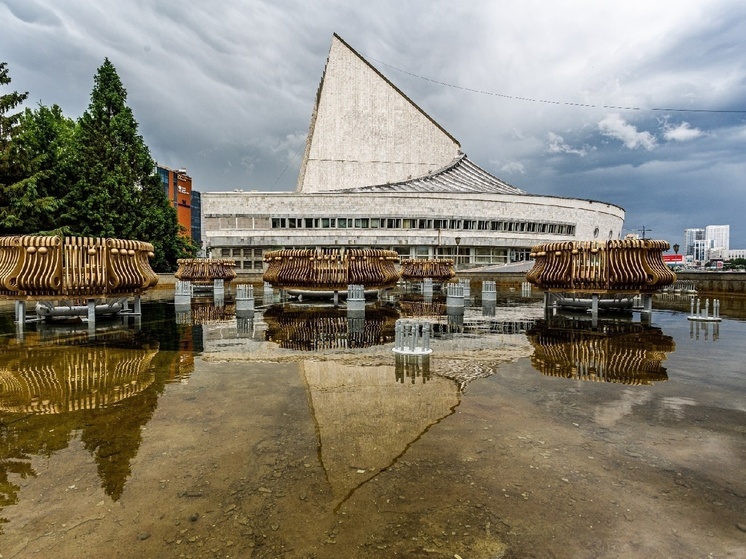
(42, 145)
(11, 169)
(117, 193)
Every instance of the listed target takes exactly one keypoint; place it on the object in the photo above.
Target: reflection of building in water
(617, 351)
(321, 328)
(486, 325)
(412, 367)
(366, 420)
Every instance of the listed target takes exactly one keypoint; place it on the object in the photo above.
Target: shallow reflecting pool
(296, 432)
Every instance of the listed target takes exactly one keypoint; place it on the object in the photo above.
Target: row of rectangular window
(487, 254)
(237, 252)
(420, 223)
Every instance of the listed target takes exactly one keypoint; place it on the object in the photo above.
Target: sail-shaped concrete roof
(364, 131)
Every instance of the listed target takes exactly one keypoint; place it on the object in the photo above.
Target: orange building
(178, 188)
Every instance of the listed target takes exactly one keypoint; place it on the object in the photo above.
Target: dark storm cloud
(227, 89)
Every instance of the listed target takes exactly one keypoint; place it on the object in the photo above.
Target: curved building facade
(378, 172)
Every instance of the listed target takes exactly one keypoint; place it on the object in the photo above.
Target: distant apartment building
(717, 239)
(691, 236)
(699, 251)
(177, 186)
(710, 243)
(197, 217)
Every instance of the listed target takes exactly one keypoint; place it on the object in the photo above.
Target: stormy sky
(638, 103)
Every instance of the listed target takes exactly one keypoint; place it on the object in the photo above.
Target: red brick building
(178, 187)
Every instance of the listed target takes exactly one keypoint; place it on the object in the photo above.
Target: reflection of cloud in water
(366, 419)
(676, 405)
(611, 412)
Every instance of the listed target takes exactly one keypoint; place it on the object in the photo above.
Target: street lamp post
(458, 242)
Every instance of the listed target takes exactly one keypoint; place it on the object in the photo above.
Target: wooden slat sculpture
(73, 267)
(439, 269)
(628, 265)
(634, 357)
(331, 269)
(205, 270)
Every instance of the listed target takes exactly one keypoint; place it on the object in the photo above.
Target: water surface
(297, 433)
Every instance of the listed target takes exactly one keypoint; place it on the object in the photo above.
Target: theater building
(379, 172)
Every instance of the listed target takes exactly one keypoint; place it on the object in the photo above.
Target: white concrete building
(380, 172)
(690, 236)
(717, 241)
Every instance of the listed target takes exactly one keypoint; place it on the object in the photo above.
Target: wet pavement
(297, 433)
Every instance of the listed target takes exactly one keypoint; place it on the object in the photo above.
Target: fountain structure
(74, 276)
(327, 272)
(606, 275)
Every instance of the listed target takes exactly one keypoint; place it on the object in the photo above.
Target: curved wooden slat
(610, 266)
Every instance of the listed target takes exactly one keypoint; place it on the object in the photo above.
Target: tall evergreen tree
(42, 147)
(112, 161)
(157, 223)
(117, 193)
(11, 169)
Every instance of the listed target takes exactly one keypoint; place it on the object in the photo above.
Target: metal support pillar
(594, 310)
(20, 312)
(92, 311)
(356, 297)
(20, 320)
(427, 287)
(647, 302)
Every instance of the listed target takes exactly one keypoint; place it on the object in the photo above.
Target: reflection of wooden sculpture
(331, 269)
(633, 356)
(67, 267)
(628, 265)
(440, 269)
(315, 329)
(59, 379)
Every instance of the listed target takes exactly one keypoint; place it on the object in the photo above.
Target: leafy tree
(42, 146)
(735, 264)
(117, 193)
(11, 170)
(157, 223)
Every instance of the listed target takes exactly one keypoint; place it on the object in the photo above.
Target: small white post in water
(412, 337)
(355, 297)
(244, 298)
(489, 291)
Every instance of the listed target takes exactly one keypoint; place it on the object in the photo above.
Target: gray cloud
(614, 126)
(227, 89)
(682, 132)
(557, 144)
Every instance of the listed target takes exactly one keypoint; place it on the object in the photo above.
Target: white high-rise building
(690, 236)
(699, 251)
(717, 240)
